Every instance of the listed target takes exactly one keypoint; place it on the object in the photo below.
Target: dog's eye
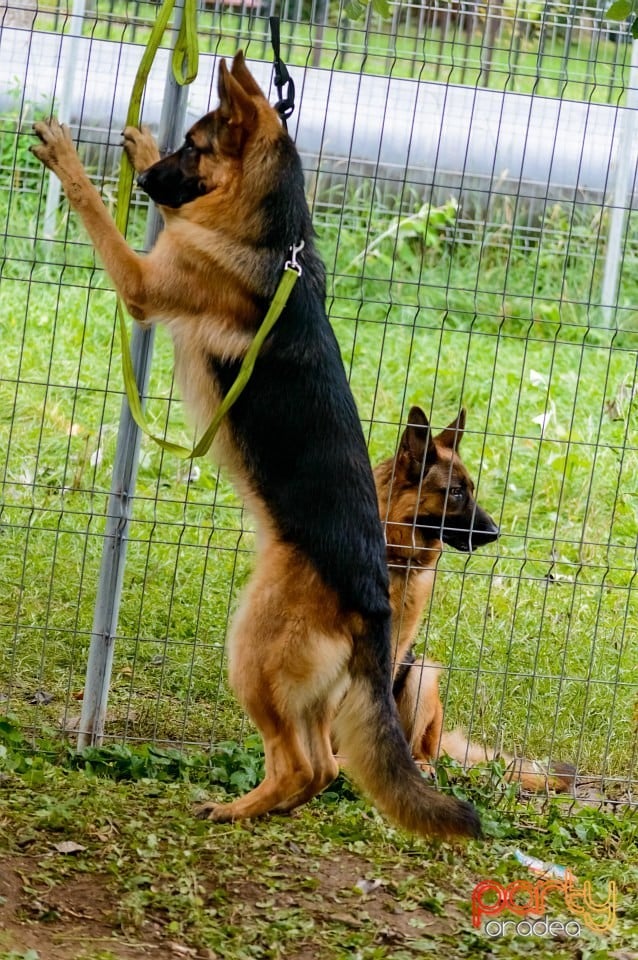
(456, 493)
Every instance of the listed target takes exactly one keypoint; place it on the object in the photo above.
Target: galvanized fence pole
(622, 189)
(68, 60)
(107, 604)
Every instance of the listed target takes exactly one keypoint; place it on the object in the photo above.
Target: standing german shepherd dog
(313, 631)
(426, 499)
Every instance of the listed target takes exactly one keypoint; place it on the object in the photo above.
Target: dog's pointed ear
(236, 108)
(244, 77)
(451, 437)
(416, 441)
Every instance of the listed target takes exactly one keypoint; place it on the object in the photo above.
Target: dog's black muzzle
(167, 185)
(465, 532)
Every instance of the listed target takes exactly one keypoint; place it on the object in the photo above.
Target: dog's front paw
(140, 148)
(56, 149)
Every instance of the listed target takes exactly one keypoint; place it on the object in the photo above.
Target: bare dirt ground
(62, 922)
(80, 916)
(94, 869)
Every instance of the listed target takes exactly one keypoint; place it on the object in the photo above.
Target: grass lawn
(93, 869)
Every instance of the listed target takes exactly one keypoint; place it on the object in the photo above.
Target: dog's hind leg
(288, 773)
(290, 675)
(299, 761)
(316, 732)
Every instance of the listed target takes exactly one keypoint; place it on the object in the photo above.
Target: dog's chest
(197, 343)
(195, 378)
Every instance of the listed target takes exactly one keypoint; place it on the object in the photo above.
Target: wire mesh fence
(472, 170)
(554, 48)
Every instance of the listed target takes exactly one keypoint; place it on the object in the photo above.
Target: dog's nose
(483, 529)
(142, 179)
(480, 537)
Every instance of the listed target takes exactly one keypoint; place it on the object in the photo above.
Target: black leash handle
(285, 106)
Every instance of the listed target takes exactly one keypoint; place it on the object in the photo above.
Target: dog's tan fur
(408, 488)
(311, 636)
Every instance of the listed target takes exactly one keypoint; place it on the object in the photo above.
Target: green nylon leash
(184, 65)
(291, 274)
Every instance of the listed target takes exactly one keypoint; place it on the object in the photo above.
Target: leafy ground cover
(98, 868)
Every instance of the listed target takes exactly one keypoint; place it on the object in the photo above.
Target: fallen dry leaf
(68, 846)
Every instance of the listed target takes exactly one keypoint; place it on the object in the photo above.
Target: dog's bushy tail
(533, 775)
(374, 750)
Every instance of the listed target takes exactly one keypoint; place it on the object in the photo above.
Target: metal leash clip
(286, 104)
(293, 263)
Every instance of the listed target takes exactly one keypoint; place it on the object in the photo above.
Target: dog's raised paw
(140, 147)
(55, 142)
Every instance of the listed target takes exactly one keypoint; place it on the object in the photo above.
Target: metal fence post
(622, 191)
(68, 61)
(107, 604)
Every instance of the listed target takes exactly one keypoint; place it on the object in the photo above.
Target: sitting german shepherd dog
(425, 500)
(312, 635)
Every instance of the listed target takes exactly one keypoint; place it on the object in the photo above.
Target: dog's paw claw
(50, 130)
(217, 812)
(140, 147)
(55, 142)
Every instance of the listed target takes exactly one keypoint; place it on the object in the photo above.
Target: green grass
(536, 631)
(106, 867)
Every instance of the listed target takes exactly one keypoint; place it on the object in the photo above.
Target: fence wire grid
(471, 169)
